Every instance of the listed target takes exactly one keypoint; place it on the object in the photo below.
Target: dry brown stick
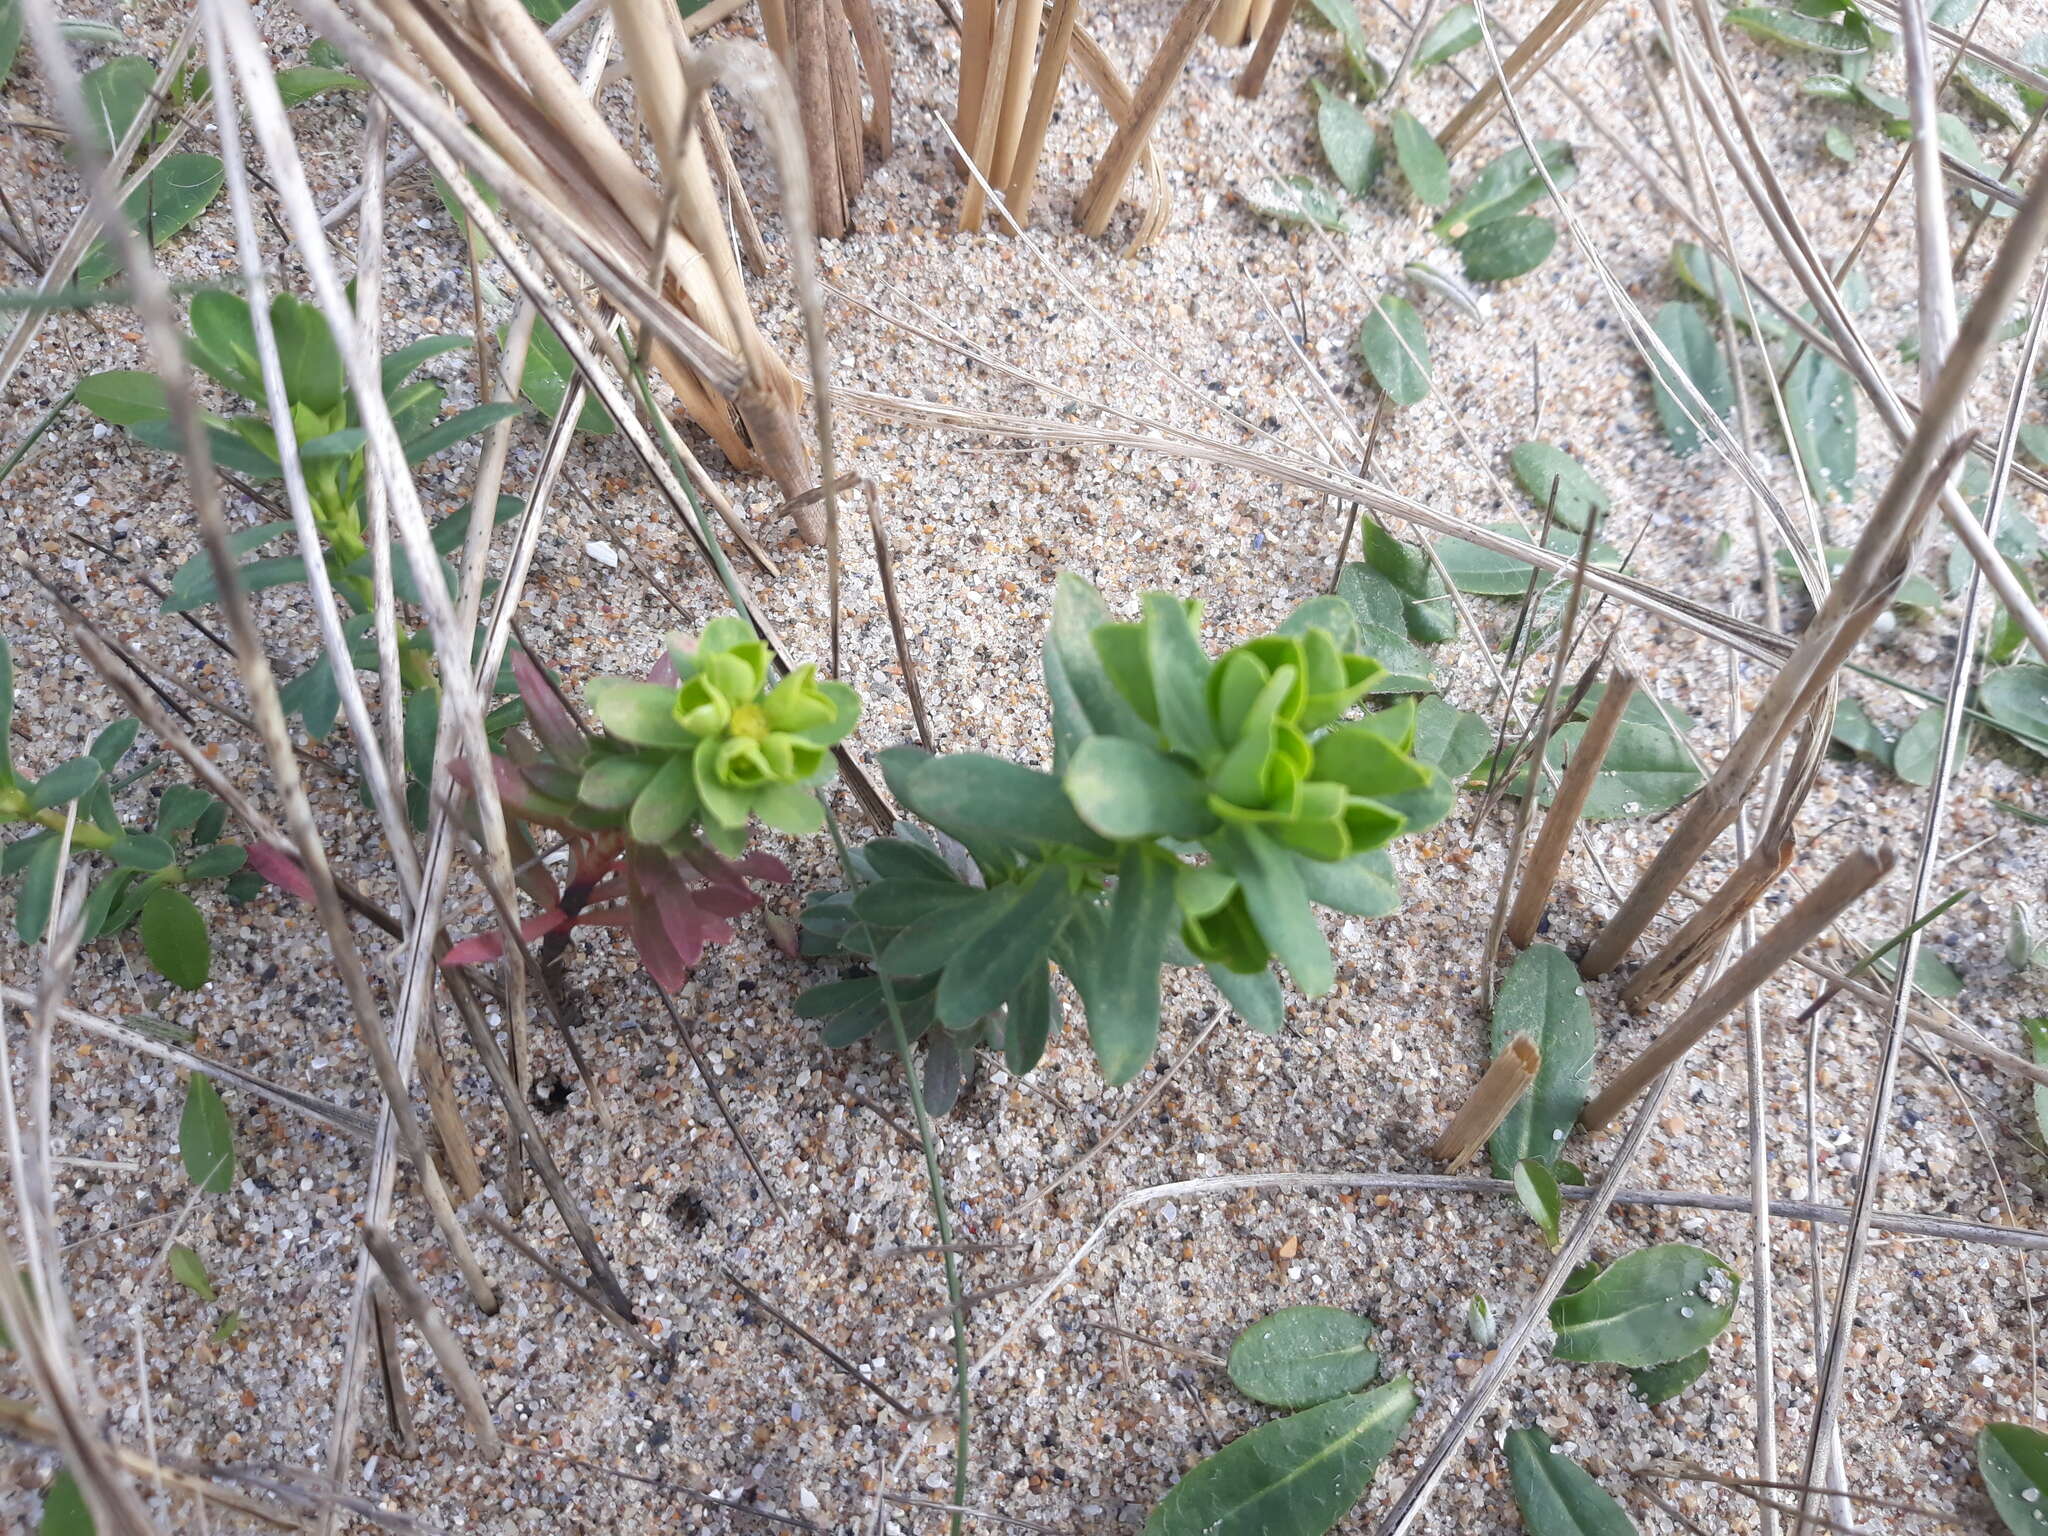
(1881, 558)
(1506, 1080)
(1700, 935)
(391, 1372)
(440, 1338)
(1019, 81)
(885, 565)
(977, 52)
(449, 1127)
(1253, 80)
(1545, 38)
(561, 1277)
(1231, 25)
(1552, 838)
(1920, 1018)
(1106, 186)
(981, 145)
(1045, 91)
(1841, 887)
(814, 99)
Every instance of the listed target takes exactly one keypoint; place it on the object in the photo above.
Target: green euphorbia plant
(656, 810)
(1198, 810)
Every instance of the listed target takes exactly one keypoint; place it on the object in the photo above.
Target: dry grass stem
(1105, 187)
(426, 1317)
(1540, 871)
(1836, 892)
(1699, 937)
(1504, 1083)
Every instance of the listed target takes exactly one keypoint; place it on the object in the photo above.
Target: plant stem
(935, 1179)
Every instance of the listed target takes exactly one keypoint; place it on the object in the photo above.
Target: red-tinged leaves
(478, 948)
(663, 671)
(280, 869)
(547, 714)
(764, 866)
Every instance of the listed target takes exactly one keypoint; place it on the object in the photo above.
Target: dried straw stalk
(817, 42)
(1506, 1080)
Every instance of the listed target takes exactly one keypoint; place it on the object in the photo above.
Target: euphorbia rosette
(640, 864)
(716, 746)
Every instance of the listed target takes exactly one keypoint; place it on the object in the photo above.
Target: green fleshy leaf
(1649, 1307)
(1507, 248)
(189, 1271)
(170, 197)
(1794, 30)
(1422, 163)
(1127, 789)
(1301, 1356)
(174, 937)
(1396, 350)
(1536, 1187)
(1686, 335)
(1298, 200)
(1656, 1384)
(206, 1141)
(1539, 465)
(1558, 1497)
(1113, 959)
(65, 783)
(1349, 143)
(1820, 408)
(1543, 998)
(1507, 185)
(2013, 1461)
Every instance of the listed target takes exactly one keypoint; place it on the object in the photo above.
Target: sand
(1074, 1427)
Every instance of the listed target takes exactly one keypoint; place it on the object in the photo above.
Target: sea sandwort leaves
(206, 1141)
(1422, 163)
(1836, 141)
(1656, 1384)
(1536, 1187)
(1301, 1356)
(2017, 698)
(1457, 31)
(1913, 754)
(1649, 1307)
(1507, 185)
(1646, 770)
(1507, 248)
(1395, 349)
(2037, 1036)
(2013, 1461)
(189, 1270)
(1683, 329)
(1486, 573)
(1715, 281)
(1543, 999)
(1292, 1477)
(174, 937)
(65, 1512)
(114, 94)
(1557, 1496)
(170, 197)
(1820, 410)
(1539, 465)
(1793, 30)
(1348, 140)
(1298, 200)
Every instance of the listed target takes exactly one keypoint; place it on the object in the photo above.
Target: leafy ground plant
(1198, 810)
(330, 451)
(147, 868)
(656, 809)
(1295, 1476)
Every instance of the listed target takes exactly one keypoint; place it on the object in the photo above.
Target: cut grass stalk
(1699, 937)
(1564, 18)
(433, 1327)
(1539, 874)
(1504, 1083)
(1843, 885)
(1098, 202)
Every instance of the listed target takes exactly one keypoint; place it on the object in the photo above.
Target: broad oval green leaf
(303, 82)
(65, 1512)
(1487, 573)
(1396, 350)
(38, 885)
(1292, 1477)
(170, 197)
(1646, 770)
(124, 396)
(549, 371)
(1538, 466)
(1796, 31)
(1543, 998)
(1451, 36)
(1507, 185)
(189, 1270)
(206, 1141)
(1422, 163)
(114, 94)
(1683, 329)
(1649, 1307)
(1557, 1496)
(2017, 698)
(173, 931)
(1298, 200)
(2013, 1461)
(1301, 1356)
(1507, 248)
(1820, 410)
(1348, 140)
(1918, 745)
(1656, 1384)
